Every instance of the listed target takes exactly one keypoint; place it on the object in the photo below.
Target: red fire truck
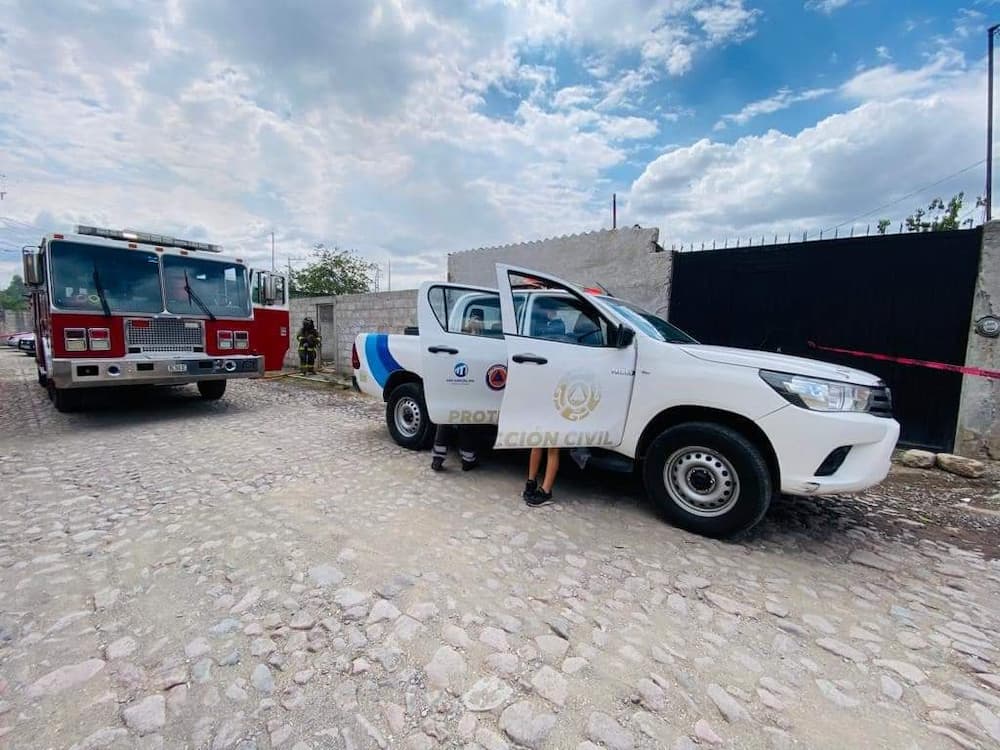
(117, 307)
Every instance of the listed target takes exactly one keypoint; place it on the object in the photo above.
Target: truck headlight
(818, 394)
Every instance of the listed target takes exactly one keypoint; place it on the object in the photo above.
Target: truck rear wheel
(65, 400)
(406, 417)
(212, 390)
(708, 478)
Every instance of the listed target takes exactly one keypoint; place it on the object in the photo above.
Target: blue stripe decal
(388, 361)
(380, 361)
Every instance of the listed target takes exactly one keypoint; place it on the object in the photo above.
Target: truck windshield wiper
(100, 293)
(197, 300)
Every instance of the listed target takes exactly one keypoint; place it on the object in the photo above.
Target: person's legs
(467, 448)
(303, 359)
(543, 494)
(534, 464)
(551, 469)
(311, 361)
(442, 436)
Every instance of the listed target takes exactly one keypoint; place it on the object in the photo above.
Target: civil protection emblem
(577, 395)
(496, 377)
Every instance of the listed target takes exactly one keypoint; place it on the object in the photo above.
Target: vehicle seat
(586, 331)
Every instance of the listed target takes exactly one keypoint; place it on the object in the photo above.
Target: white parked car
(713, 431)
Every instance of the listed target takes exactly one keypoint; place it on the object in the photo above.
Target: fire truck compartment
(88, 373)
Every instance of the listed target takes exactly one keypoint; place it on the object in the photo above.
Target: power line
(907, 196)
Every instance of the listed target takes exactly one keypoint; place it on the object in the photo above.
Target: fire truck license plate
(177, 368)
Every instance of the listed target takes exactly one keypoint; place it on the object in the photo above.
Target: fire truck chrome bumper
(91, 373)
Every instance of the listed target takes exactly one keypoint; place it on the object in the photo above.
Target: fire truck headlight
(242, 339)
(75, 339)
(100, 339)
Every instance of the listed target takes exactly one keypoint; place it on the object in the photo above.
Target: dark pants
(446, 434)
(307, 359)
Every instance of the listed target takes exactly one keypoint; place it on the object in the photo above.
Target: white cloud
(827, 6)
(889, 81)
(845, 165)
(783, 99)
(726, 21)
(883, 52)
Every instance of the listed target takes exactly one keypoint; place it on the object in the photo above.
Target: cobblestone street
(271, 571)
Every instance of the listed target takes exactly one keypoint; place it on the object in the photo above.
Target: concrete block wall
(628, 262)
(384, 312)
(15, 321)
(978, 431)
(381, 312)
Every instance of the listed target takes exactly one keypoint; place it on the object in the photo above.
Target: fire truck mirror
(32, 268)
(270, 289)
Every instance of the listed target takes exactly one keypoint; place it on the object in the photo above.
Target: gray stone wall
(978, 432)
(15, 321)
(385, 312)
(628, 262)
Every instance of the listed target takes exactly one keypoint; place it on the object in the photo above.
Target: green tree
(12, 298)
(939, 216)
(883, 225)
(333, 271)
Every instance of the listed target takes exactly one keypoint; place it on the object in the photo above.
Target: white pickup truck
(713, 431)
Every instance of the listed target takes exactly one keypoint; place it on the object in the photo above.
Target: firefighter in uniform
(309, 341)
(465, 434)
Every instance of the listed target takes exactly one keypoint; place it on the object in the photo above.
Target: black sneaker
(470, 465)
(530, 488)
(437, 463)
(539, 499)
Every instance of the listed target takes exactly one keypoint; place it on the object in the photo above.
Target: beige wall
(628, 262)
(978, 432)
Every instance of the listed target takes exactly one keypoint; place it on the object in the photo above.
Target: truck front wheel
(211, 390)
(406, 417)
(707, 478)
(66, 400)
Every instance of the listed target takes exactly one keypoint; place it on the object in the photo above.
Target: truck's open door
(570, 369)
(463, 358)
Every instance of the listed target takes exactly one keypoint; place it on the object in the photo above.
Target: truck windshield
(130, 279)
(221, 286)
(651, 325)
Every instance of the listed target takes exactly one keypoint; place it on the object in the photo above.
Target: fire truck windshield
(130, 279)
(216, 286)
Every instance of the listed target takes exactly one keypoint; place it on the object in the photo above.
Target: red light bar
(592, 290)
(140, 323)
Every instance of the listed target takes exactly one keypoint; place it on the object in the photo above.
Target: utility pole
(990, 32)
(388, 275)
(272, 251)
(614, 210)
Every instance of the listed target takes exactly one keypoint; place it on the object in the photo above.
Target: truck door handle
(441, 350)
(533, 358)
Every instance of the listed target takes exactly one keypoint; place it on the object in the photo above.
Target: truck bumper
(178, 370)
(804, 439)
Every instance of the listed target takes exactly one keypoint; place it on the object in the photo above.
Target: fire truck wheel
(211, 390)
(42, 380)
(65, 400)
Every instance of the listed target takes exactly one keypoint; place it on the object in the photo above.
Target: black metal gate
(906, 295)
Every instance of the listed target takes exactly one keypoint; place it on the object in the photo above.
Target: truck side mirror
(270, 289)
(32, 268)
(624, 337)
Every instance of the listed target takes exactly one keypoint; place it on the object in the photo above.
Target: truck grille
(881, 404)
(164, 335)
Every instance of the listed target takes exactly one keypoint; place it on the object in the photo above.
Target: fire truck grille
(164, 335)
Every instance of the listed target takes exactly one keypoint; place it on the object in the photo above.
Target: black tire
(66, 400)
(42, 380)
(407, 419)
(720, 484)
(212, 390)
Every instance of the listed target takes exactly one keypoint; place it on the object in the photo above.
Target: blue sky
(411, 128)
